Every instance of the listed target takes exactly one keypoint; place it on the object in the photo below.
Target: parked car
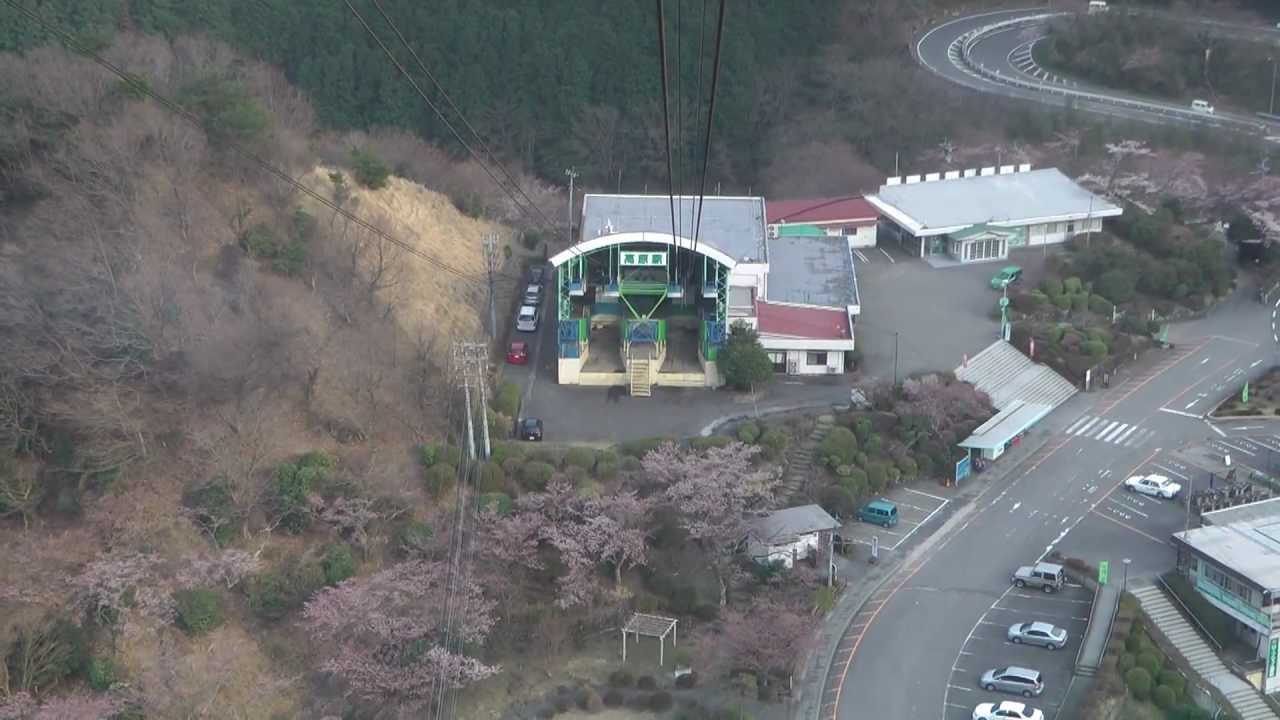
(533, 295)
(1007, 710)
(531, 429)
(1038, 633)
(1046, 576)
(527, 320)
(1009, 275)
(1154, 485)
(879, 512)
(537, 274)
(1013, 679)
(1202, 106)
(518, 353)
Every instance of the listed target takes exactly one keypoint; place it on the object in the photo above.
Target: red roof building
(808, 323)
(852, 210)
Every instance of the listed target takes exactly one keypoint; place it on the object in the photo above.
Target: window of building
(779, 361)
(816, 358)
(1071, 227)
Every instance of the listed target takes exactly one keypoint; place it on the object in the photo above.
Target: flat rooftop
(1249, 545)
(851, 208)
(1019, 198)
(812, 270)
(733, 225)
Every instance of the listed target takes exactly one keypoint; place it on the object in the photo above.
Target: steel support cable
(666, 113)
(137, 84)
(468, 563)
(449, 406)
(440, 683)
(461, 117)
(702, 36)
(711, 114)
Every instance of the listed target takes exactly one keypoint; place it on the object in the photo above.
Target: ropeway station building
(639, 303)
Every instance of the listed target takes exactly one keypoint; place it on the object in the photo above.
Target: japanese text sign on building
(644, 259)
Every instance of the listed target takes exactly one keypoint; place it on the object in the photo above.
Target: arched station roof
(630, 238)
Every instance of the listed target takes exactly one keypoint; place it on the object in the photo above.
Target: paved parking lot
(988, 647)
(938, 315)
(916, 508)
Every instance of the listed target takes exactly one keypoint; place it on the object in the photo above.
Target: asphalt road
(1005, 51)
(1062, 496)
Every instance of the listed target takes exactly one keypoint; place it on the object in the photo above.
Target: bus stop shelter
(1002, 431)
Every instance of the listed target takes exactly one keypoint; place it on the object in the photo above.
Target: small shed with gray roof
(785, 536)
(1023, 391)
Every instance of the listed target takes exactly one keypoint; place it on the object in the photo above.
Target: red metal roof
(803, 322)
(852, 208)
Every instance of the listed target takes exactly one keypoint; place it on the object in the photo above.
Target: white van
(1202, 106)
(1097, 6)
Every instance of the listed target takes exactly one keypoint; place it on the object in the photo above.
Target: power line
(711, 114)
(666, 113)
(138, 85)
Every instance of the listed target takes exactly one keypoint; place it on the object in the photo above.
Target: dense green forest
(1162, 58)
(549, 83)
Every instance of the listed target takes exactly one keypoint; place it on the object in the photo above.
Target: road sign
(1104, 572)
(963, 468)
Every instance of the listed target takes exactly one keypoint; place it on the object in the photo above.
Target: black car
(537, 273)
(531, 429)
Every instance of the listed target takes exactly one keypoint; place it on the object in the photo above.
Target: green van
(880, 512)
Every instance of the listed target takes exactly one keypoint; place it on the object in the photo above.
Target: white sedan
(1007, 710)
(1153, 485)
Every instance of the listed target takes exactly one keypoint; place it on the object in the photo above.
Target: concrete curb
(723, 420)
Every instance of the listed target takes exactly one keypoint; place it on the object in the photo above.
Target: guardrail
(1083, 636)
(971, 38)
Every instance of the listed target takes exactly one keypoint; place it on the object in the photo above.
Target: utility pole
(491, 263)
(573, 175)
(895, 359)
(472, 359)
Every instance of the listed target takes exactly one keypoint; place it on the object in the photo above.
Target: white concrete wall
(799, 359)
(749, 275)
(1058, 232)
(861, 237)
(797, 550)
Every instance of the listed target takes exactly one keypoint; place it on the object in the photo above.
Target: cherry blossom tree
(766, 638)
(227, 569)
(102, 587)
(387, 632)
(943, 404)
(1121, 151)
(350, 519)
(712, 491)
(69, 707)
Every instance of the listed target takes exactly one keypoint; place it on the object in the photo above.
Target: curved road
(1007, 51)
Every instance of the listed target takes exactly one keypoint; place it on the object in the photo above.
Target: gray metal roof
(1044, 195)
(1005, 374)
(733, 225)
(1004, 425)
(782, 526)
(1249, 547)
(811, 270)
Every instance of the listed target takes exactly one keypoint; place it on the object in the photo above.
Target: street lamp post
(1124, 580)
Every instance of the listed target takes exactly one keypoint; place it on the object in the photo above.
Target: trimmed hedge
(1164, 697)
(1138, 680)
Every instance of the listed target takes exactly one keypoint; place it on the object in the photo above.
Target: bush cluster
(198, 610)
(273, 594)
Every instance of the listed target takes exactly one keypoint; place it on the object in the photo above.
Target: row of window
(984, 249)
(779, 360)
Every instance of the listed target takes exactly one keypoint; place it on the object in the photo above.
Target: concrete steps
(799, 473)
(1244, 699)
(639, 378)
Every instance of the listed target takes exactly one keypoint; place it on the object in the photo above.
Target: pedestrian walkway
(1110, 431)
(1245, 701)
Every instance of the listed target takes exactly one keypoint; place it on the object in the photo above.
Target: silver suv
(1046, 576)
(1019, 680)
(1038, 633)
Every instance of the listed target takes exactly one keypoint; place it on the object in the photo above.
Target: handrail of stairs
(1187, 611)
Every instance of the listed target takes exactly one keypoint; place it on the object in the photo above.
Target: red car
(518, 353)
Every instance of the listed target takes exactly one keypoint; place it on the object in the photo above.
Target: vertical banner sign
(1244, 394)
(1272, 652)
(963, 468)
(1104, 572)
(1032, 352)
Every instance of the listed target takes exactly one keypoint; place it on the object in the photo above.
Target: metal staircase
(639, 377)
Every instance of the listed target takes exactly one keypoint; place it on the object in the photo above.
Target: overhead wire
(666, 111)
(137, 84)
(711, 113)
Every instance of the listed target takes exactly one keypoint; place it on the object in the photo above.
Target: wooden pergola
(653, 626)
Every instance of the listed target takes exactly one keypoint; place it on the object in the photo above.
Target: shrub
(1135, 644)
(837, 500)
(1095, 349)
(774, 442)
(1117, 284)
(646, 682)
(1173, 680)
(862, 428)
(492, 478)
(749, 432)
(660, 701)
(613, 698)
(581, 457)
(874, 445)
(213, 510)
(274, 594)
(646, 602)
(621, 679)
(640, 448)
(1062, 302)
(589, 700)
(412, 535)
(924, 465)
(500, 503)
(632, 464)
(535, 475)
(1072, 286)
(40, 656)
(1164, 697)
(369, 169)
(877, 477)
(908, 467)
(1126, 661)
(198, 610)
(1187, 711)
(1079, 302)
(440, 479)
(1028, 302)
(606, 464)
(838, 447)
(293, 486)
(686, 681)
(507, 399)
(578, 477)
(1150, 662)
(702, 444)
(1138, 680)
(855, 482)
(501, 452)
(337, 563)
(1051, 287)
(101, 673)
(1099, 305)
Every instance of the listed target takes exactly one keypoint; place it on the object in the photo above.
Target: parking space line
(1044, 597)
(1127, 526)
(886, 254)
(861, 257)
(1233, 447)
(960, 707)
(919, 524)
(959, 687)
(1056, 616)
(921, 492)
(1158, 466)
(1128, 508)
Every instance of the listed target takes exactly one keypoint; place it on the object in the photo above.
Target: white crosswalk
(1109, 431)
